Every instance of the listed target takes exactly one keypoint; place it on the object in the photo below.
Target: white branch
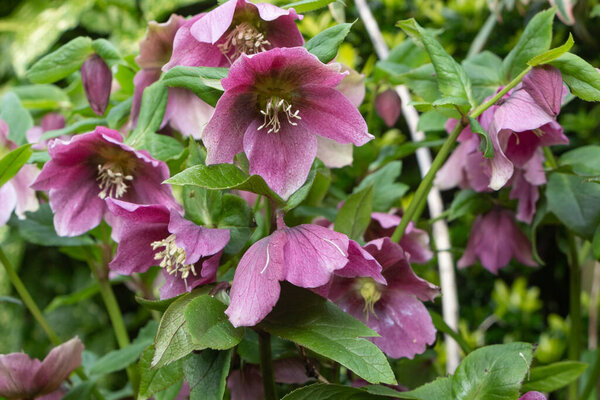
(440, 233)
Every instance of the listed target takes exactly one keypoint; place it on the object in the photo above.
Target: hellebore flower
(90, 167)
(16, 194)
(185, 111)
(219, 37)
(97, 81)
(49, 122)
(395, 310)
(388, 106)
(22, 377)
(533, 396)
(274, 106)
(154, 235)
(305, 255)
(494, 239)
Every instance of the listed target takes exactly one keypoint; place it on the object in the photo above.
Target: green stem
(266, 365)
(37, 313)
(550, 158)
(477, 111)
(574, 308)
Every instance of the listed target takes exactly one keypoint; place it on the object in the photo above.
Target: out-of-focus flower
(22, 377)
(388, 106)
(565, 10)
(49, 122)
(395, 310)
(16, 194)
(154, 235)
(90, 167)
(494, 239)
(97, 82)
(275, 105)
(533, 396)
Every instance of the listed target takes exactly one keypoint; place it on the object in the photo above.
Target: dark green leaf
(325, 45)
(81, 391)
(107, 51)
(152, 110)
(355, 215)
(581, 77)
(321, 391)
(154, 380)
(552, 54)
(484, 73)
(118, 112)
(157, 305)
(163, 147)
(467, 201)
(62, 62)
(386, 191)
(205, 82)
(584, 161)
(440, 389)
(208, 325)
(596, 243)
(11, 163)
(203, 206)
(486, 146)
(237, 217)
(303, 6)
(206, 373)
(322, 327)
(42, 97)
(78, 296)
(554, 376)
(17, 118)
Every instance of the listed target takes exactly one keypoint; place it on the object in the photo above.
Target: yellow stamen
(112, 182)
(173, 258)
(243, 39)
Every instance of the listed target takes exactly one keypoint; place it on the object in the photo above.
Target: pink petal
(215, 23)
(17, 375)
(334, 154)
(26, 198)
(527, 194)
(352, 86)
(532, 396)
(189, 113)
(521, 113)
(501, 167)
(544, 84)
(8, 199)
(58, 365)
(283, 159)
(157, 44)
(388, 106)
(361, 264)
(290, 371)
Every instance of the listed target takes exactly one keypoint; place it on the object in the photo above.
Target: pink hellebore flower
(395, 310)
(305, 255)
(16, 194)
(388, 106)
(154, 235)
(49, 122)
(275, 105)
(22, 377)
(93, 166)
(495, 238)
(532, 396)
(219, 37)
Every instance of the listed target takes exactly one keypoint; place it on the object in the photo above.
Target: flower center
(244, 38)
(112, 183)
(273, 109)
(370, 293)
(172, 258)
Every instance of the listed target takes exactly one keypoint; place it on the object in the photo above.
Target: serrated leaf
(581, 77)
(208, 325)
(205, 82)
(12, 162)
(355, 215)
(303, 6)
(552, 54)
(154, 380)
(320, 326)
(486, 146)
(206, 373)
(62, 62)
(554, 376)
(325, 45)
(535, 40)
(17, 118)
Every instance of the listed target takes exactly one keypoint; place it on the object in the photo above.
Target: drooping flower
(90, 167)
(275, 105)
(494, 239)
(49, 122)
(154, 235)
(219, 37)
(97, 82)
(305, 255)
(388, 106)
(22, 377)
(16, 194)
(395, 310)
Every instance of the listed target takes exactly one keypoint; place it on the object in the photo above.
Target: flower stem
(477, 111)
(574, 309)
(266, 365)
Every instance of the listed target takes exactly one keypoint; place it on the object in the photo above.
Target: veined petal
(361, 264)
(189, 113)
(215, 23)
(520, 112)
(17, 374)
(334, 154)
(58, 365)
(545, 86)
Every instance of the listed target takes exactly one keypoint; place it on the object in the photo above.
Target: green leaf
(221, 177)
(11, 163)
(484, 73)
(467, 201)
(303, 6)
(535, 40)
(78, 296)
(236, 216)
(322, 391)
(320, 326)
(452, 79)
(441, 326)
(486, 146)
(492, 372)
(584, 161)
(596, 243)
(17, 118)
(107, 51)
(158, 305)
(83, 125)
(208, 325)
(62, 62)
(154, 380)
(162, 147)
(152, 110)
(422, 81)
(554, 376)
(203, 206)
(173, 340)
(386, 191)
(42, 97)
(440, 389)
(325, 45)
(205, 82)
(552, 54)
(206, 373)
(80, 391)
(355, 215)
(575, 203)
(118, 112)
(581, 77)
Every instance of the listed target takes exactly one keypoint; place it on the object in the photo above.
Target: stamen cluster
(173, 258)
(274, 107)
(112, 184)
(243, 39)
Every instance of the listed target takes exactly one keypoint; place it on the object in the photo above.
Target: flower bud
(388, 106)
(97, 79)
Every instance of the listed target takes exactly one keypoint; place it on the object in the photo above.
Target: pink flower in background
(22, 377)
(305, 255)
(90, 167)
(219, 37)
(49, 122)
(494, 239)
(395, 310)
(533, 396)
(275, 105)
(16, 194)
(96, 78)
(388, 106)
(154, 235)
